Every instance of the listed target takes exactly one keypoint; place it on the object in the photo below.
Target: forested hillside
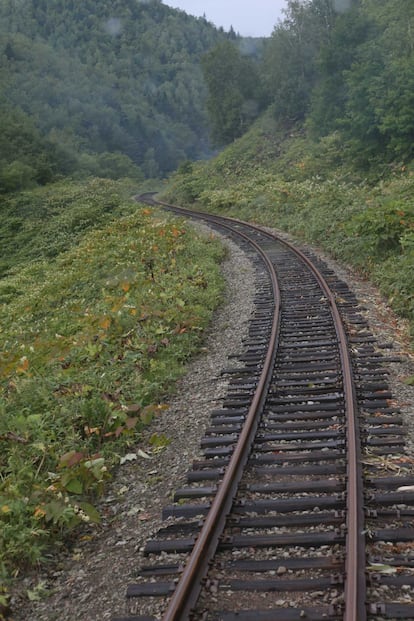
(333, 66)
(332, 159)
(118, 79)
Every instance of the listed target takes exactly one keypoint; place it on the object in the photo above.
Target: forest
(332, 65)
(331, 156)
(109, 89)
(134, 89)
(102, 300)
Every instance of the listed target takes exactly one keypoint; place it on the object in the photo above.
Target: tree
(290, 59)
(329, 96)
(379, 111)
(16, 176)
(110, 166)
(234, 98)
(26, 157)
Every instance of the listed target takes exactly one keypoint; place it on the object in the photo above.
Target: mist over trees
(130, 88)
(120, 79)
(343, 66)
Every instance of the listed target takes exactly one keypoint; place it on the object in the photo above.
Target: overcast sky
(251, 18)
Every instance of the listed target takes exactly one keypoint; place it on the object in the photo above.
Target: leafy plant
(285, 179)
(91, 343)
(383, 229)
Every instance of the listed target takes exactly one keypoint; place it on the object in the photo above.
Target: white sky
(254, 18)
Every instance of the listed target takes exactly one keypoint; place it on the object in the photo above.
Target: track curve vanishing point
(292, 484)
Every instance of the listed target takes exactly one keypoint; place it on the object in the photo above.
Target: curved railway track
(292, 513)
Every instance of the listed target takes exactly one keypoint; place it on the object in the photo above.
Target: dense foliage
(347, 66)
(235, 94)
(336, 65)
(332, 160)
(281, 178)
(109, 78)
(124, 80)
(92, 336)
(124, 89)
(36, 225)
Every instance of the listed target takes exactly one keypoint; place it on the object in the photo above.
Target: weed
(91, 342)
(310, 190)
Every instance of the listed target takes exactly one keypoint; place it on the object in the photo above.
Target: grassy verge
(91, 341)
(43, 222)
(282, 179)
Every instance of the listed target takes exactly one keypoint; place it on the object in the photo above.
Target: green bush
(46, 221)
(16, 176)
(91, 342)
(381, 228)
(284, 179)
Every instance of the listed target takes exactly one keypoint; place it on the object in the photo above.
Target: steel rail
(355, 580)
(355, 561)
(189, 586)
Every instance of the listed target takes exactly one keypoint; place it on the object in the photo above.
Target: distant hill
(119, 76)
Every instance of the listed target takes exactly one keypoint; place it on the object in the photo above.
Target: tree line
(342, 66)
(110, 88)
(129, 88)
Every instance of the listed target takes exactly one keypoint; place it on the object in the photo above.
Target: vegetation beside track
(332, 159)
(280, 177)
(94, 331)
(102, 302)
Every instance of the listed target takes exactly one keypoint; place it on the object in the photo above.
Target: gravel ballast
(90, 582)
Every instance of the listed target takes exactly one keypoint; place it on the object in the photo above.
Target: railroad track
(303, 505)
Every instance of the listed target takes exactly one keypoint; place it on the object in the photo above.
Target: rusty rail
(186, 593)
(355, 580)
(188, 588)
